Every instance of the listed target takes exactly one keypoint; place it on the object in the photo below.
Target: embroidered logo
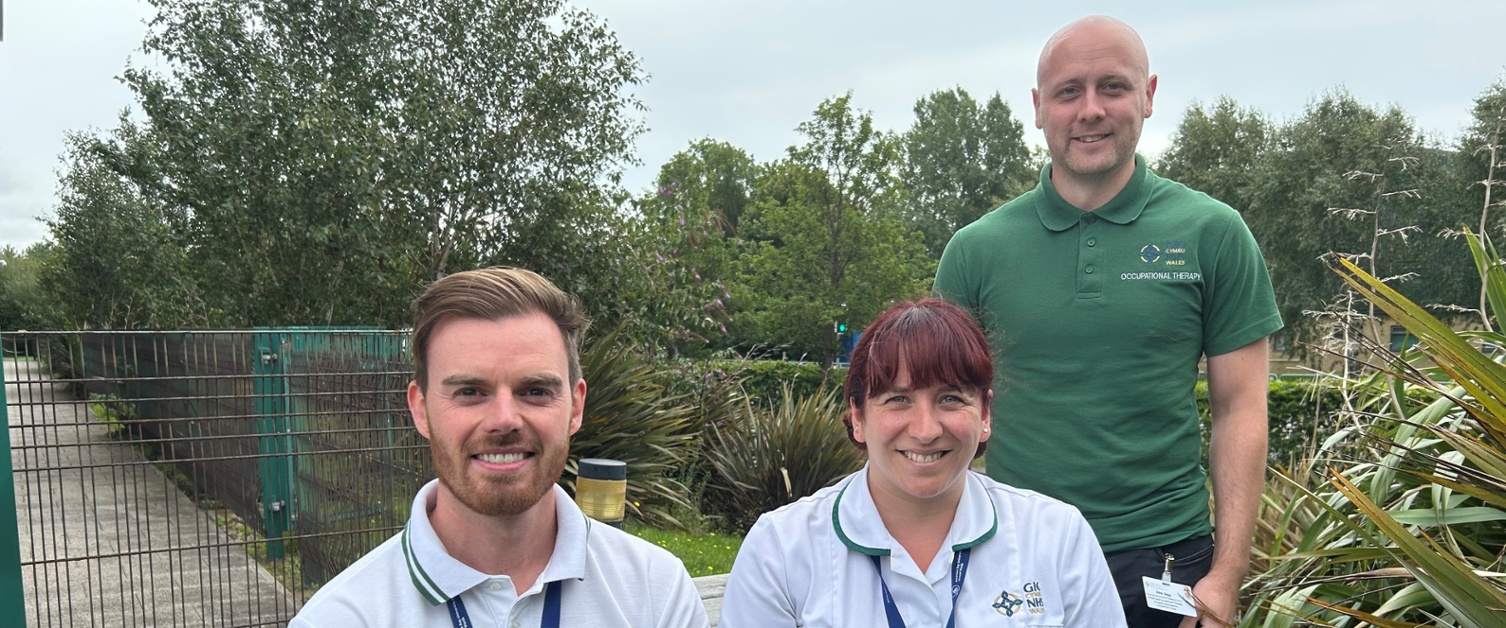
(1034, 603)
(1176, 253)
(1150, 253)
(1008, 603)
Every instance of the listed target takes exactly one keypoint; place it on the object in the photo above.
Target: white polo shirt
(609, 578)
(1034, 562)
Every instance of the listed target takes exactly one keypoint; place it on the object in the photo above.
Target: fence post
(271, 390)
(12, 594)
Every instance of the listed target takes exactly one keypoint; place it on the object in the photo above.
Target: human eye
(896, 398)
(467, 392)
(1067, 93)
(1115, 87)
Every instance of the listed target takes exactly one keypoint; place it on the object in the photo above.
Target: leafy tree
(23, 302)
(828, 246)
(1482, 170)
(1343, 178)
(1216, 150)
(961, 161)
(120, 260)
(323, 158)
(692, 221)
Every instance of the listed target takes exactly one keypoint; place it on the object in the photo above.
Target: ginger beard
(494, 494)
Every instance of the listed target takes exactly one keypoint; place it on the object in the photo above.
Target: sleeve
(1240, 305)
(682, 607)
(757, 590)
(1091, 598)
(953, 282)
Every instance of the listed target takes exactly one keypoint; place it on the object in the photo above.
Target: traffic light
(841, 328)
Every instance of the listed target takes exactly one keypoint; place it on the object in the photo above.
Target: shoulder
(380, 578)
(1172, 195)
(1002, 218)
(610, 546)
(810, 512)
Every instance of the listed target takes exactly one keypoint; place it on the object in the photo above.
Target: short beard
(500, 499)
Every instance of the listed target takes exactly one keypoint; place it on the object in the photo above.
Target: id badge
(1169, 596)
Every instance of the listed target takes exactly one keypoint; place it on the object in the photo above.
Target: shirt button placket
(1090, 258)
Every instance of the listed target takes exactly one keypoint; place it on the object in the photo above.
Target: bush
(774, 456)
(1302, 413)
(762, 381)
(632, 417)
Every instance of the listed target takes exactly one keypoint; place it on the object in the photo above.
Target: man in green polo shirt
(1102, 289)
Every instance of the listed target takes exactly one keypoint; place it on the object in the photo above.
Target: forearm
(1238, 386)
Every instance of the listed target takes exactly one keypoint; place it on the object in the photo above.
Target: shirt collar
(440, 577)
(1059, 215)
(857, 523)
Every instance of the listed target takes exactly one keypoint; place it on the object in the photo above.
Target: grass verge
(704, 554)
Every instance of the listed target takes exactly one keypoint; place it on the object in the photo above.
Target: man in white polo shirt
(494, 541)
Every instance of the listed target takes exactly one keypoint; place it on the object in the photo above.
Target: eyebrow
(541, 380)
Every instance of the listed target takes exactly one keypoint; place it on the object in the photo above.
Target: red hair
(938, 342)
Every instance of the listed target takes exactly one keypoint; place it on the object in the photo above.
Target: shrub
(777, 455)
(630, 416)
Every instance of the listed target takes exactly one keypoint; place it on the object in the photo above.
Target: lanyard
(461, 619)
(959, 573)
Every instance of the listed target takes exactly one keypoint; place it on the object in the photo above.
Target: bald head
(1094, 35)
(1093, 92)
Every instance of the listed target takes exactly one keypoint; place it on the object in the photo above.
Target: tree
(1347, 179)
(692, 217)
(1217, 150)
(827, 245)
(23, 302)
(326, 157)
(120, 260)
(1481, 164)
(960, 162)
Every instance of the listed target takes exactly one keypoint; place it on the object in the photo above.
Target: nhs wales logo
(1009, 604)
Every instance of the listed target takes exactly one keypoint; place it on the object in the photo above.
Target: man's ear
(1150, 95)
(1035, 99)
(577, 405)
(417, 409)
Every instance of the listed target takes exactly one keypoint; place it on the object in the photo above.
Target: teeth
(924, 458)
(502, 458)
(1089, 139)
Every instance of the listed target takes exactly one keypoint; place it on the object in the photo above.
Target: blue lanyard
(462, 619)
(959, 573)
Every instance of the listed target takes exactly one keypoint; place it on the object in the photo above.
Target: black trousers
(1194, 557)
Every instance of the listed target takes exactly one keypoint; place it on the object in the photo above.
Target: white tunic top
(610, 578)
(1034, 562)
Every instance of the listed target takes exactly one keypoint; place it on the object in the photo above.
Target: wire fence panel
(202, 478)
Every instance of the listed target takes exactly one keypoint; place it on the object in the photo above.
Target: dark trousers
(1194, 557)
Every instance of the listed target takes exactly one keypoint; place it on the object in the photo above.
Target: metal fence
(199, 478)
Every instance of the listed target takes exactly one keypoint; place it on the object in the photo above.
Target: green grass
(704, 554)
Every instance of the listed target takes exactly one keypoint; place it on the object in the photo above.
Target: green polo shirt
(1098, 321)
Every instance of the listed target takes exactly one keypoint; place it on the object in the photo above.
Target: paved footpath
(107, 539)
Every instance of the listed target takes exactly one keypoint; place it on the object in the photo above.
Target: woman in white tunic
(915, 538)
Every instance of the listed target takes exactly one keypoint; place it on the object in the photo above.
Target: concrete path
(107, 539)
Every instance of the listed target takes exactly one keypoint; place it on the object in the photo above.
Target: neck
(1089, 192)
(517, 546)
(920, 526)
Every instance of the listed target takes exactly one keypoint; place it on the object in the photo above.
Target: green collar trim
(836, 524)
(421, 580)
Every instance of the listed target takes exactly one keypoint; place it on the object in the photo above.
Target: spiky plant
(630, 416)
(1413, 535)
(775, 456)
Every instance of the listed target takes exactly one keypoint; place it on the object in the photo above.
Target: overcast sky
(747, 72)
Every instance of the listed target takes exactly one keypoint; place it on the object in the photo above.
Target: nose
(502, 415)
(925, 425)
(1092, 107)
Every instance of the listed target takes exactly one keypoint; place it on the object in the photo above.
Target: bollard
(601, 489)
